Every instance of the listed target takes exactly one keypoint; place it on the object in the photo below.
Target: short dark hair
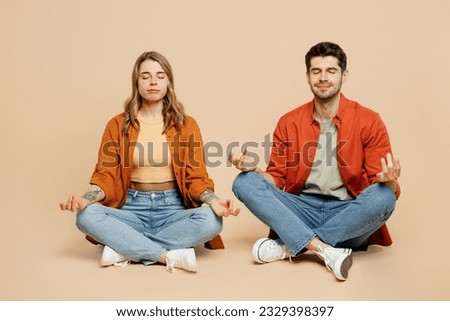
(324, 49)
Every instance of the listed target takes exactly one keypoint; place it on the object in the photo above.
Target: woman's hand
(74, 204)
(224, 207)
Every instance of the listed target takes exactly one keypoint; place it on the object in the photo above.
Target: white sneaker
(338, 261)
(266, 250)
(182, 259)
(111, 257)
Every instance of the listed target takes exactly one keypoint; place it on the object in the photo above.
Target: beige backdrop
(65, 70)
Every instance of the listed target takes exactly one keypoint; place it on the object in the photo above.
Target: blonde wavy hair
(173, 110)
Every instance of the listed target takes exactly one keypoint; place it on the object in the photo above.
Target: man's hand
(243, 163)
(390, 171)
(74, 204)
(224, 207)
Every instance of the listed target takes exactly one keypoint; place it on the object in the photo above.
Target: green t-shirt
(325, 178)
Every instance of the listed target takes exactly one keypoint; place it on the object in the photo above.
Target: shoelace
(330, 257)
(122, 264)
(290, 257)
(321, 252)
(278, 251)
(169, 265)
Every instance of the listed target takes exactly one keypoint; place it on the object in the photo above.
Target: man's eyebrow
(328, 68)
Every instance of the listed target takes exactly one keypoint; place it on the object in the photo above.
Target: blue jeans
(148, 224)
(298, 219)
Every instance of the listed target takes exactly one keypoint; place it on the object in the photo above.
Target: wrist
(208, 196)
(88, 201)
(393, 185)
(258, 171)
(94, 194)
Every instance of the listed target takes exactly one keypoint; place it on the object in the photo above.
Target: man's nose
(323, 76)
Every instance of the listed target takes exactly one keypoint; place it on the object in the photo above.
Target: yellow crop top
(151, 158)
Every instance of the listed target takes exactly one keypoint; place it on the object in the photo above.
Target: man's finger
(389, 161)
(397, 166)
(383, 165)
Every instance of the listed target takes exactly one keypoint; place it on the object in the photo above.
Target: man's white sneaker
(338, 261)
(111, 257)
(182, 259)
(267, 250)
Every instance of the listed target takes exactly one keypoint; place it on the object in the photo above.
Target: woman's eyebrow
(148, 72)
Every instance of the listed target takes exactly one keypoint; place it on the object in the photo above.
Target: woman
(144, 203)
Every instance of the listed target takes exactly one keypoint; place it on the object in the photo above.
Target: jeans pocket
(173, 199)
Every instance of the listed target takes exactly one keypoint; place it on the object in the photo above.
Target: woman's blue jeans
(298, 219)
(148, 224)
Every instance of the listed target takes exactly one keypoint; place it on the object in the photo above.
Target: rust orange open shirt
(361, 143)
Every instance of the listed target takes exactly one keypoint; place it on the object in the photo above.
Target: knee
(211, 222)
(243, 182)
(215, 223)
(382, 197)
(387, 195)
(217, 226)
(85, 218)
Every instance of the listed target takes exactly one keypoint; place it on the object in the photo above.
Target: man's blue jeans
(298, 219)
(148, 224)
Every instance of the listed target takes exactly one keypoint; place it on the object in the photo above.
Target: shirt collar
(340, 113)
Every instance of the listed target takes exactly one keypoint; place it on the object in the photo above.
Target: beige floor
(50, 260)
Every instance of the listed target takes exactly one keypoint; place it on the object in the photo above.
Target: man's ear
(345, 76)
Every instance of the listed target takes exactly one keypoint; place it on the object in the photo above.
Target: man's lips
(323, 86)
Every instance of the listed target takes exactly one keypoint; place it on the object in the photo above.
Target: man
(331, 183)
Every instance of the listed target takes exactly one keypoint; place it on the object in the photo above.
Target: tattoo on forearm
(207, 196)
(94, 194)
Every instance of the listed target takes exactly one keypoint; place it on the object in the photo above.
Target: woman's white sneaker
(182, 259)
(111, 257)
